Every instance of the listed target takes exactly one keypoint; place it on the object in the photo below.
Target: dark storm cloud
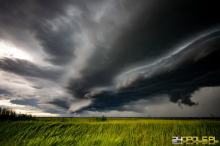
(94, 42)
(25, 68)
(177, 76)
(170, 23)
(60, 103)
(40, 18)
(154, 31)
(4, 92)
(30, 102)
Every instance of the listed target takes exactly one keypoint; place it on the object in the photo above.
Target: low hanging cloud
(177, 75)
(25, 68)
(101, 55)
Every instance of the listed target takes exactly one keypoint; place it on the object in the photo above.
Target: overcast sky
(111, 57)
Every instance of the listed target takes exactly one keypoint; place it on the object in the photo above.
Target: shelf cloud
(75, 57)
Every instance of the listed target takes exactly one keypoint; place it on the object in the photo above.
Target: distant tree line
(102, 118)
(8, 114)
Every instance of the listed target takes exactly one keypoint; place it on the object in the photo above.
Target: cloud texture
(73, 56)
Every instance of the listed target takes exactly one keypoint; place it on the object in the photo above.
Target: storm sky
(110, 57)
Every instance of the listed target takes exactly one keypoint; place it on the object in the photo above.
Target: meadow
(93, 132)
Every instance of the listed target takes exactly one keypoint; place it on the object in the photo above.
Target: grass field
(112, 132)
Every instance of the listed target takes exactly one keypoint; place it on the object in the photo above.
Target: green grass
(113, 132)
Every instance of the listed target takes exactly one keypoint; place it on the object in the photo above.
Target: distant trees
(102, 118)
(8, 114)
